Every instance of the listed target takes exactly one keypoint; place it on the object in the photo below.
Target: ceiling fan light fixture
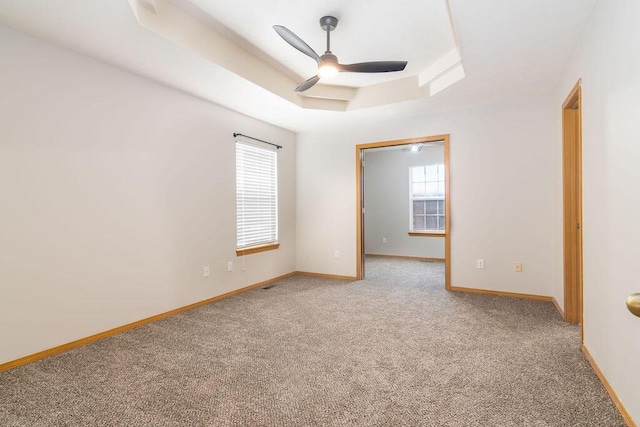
(327, 70)
(328, 65)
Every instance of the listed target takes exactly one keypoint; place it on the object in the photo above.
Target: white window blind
(256, 195)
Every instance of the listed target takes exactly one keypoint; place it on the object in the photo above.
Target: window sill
(428, 233)
(256, 249)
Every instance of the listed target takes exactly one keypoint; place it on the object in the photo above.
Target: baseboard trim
(560, 310)
(82, 341)
(328, 276)
(500, 293)
(623, 411)
(419, 258)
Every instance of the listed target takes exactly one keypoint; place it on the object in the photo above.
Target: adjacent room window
(256, 195)
(427, 198)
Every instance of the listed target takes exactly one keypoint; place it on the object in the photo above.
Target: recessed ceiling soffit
(181, 27)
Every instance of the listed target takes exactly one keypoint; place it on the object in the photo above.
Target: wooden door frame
(447, 199)
(572, 203)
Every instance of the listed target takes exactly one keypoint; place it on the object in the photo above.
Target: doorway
(442, 140)
(572, 203)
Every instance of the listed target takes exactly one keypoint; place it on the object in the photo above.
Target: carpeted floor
(392, 350)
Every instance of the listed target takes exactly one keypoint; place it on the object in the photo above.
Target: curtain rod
(256, 139)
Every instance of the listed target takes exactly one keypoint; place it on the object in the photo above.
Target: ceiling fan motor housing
(329, 58)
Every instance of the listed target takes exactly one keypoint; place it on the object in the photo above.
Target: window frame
(440, 197)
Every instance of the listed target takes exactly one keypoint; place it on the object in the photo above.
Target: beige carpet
(392, 350)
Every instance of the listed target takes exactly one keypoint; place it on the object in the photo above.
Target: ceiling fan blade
(296, 42)
(308, 84)
(374, 67)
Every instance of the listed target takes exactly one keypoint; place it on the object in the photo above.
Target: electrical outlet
(336, 254)
(230, 266)
(481, 264)
(517, 267)
(384, 240)
(206, 271)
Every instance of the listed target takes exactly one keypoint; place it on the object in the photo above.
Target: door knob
(633, 304)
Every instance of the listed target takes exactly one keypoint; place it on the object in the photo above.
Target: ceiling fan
(328, 64)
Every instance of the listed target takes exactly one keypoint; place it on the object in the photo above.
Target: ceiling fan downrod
(328, 61)
(328, 23)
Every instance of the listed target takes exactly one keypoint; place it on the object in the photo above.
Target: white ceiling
(368, 30)
(509, 49)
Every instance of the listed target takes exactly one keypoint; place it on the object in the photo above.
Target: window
(256, 196)
(427, 198)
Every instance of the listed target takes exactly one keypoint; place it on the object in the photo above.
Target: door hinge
(577, 226)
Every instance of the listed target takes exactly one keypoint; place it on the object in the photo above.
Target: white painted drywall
(608, 61)
(115, 192)
(386, 201)
(501, 192)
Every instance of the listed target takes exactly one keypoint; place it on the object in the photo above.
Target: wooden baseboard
(502, 294)
(623, 411)
(419, 258)
(82, 341)
(560, 310)
(328, 276)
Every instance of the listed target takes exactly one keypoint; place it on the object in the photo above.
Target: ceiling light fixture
(327, 70)
(328, 65)
(415, 148)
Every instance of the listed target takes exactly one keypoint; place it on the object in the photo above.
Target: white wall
(115, 192)
(608, 61)
(386, 201)
(501, 193)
